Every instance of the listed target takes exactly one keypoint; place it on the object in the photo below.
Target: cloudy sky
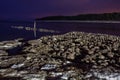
(30, 9)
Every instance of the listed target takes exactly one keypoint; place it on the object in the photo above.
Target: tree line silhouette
(104, 16)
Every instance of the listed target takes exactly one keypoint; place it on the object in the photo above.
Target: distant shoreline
(78, 21)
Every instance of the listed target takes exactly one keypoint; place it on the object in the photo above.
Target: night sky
(30, 9)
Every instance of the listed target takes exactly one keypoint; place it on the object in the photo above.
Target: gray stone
(3, 53)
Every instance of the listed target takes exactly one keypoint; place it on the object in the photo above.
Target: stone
(71, 56)
(48, 67)
(90, 52)
(17, 66)
(3, 53)
(77, 50)
(101, 57)
(110, 54)
(119, 60)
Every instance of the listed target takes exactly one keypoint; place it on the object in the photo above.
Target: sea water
(13, 30)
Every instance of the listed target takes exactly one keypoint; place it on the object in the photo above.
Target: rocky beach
(71, 56)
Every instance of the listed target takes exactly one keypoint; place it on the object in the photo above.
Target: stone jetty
(71, 56)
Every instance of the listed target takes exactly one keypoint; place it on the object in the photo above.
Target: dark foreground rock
(72, 56)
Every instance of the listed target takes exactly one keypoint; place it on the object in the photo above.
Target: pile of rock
(69, 56)
(99, 50)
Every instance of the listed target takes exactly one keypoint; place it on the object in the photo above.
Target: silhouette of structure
(35, 34)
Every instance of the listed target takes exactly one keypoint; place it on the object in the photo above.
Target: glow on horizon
(24, 9)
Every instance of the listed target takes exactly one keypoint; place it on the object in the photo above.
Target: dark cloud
(30, 9)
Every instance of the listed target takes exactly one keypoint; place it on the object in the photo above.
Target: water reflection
(28, 31)
(35, 34)
(34, 29)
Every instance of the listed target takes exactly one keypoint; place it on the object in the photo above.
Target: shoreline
(96, 21)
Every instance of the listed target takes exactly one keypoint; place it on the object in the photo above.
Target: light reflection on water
(13, 30)
(34, 29)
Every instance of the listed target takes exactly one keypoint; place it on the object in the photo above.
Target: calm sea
(13, 30)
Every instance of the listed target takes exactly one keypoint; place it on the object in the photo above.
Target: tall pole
(35, 29)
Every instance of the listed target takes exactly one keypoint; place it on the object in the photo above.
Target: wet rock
(9, 45)
(103, 76)
(90, 52)
(110, 54)
(49, 67)
(3, 53)
(101, 57)
(11, 78)
(39, 76)
(17, 66)
(119, 60)
(9, 62)
(70, 56)
(77, 50)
